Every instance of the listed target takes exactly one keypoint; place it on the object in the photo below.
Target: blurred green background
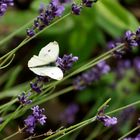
(85, 36)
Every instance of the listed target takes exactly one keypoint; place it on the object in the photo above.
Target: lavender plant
(36, 105)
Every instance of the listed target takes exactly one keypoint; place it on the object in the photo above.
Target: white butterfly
(47, 55)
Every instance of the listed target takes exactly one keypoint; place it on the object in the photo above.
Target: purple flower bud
(23, 99)
(130, 39)
(4, 5)
(76, 9)
(88, 3)
(58, 11)
(35, 87)
(116, 53)
(107, 120)
(30, 32)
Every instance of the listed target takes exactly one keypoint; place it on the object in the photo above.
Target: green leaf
(113, 18)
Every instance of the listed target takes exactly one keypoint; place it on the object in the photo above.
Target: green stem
(9, 119)
(61, 92)
(8, 104)
(119, 48)
(69, 132)
(90, 64)
(136, 128)
(103, 105)
(88, 121)
(1, 65)
(79, 125)
(13, 51)
(127, 106)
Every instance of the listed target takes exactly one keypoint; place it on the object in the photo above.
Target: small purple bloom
(3, 8)
(38, 83)
(76, 9)
(35, 87)
(107, 120)
(66, 62)
(23, 99)
(38, 114)
(36, 117)
(30, 32)
(114, 44)
(30, 123)
(57, 8)
(88, 3)
(130, 39)
(103, 67)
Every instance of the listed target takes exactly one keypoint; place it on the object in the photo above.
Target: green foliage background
(85, 36)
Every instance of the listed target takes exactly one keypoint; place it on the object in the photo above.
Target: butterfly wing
(36, 61)
(52, 72)
(47, 54)
(50, 52)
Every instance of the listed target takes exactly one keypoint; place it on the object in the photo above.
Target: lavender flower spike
(36, 117)
(46, 15)
(91, 75)
(129, 40)
(66, 62)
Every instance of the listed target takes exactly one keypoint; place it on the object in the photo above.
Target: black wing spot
(49, 50)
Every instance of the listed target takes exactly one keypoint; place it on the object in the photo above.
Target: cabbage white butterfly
(47, 55)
